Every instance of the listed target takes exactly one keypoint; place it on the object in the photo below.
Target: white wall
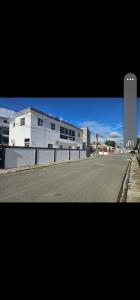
(18, 157)
(82, 154)
(19, 133)
(62, 155)
(74, 154)
(41, 136)
(45, 156)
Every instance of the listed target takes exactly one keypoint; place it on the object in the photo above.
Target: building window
(67, 134)
(79, 134)
(27, 142)
(63, 133)
(52, 126)
(13, 124)
(40, 122)
(6, 121)
(61, 147)
(22, 121)
(72, 135)
(50, 145)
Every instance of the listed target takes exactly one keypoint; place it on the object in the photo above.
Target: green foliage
(110, 143)
(94, 143)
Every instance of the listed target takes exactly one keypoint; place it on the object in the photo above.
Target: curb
(14, 170)
(124, 186)
(133, 194)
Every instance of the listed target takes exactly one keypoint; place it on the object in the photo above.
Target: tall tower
(130, 110)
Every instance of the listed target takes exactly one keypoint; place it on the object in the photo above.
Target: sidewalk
(133, 194)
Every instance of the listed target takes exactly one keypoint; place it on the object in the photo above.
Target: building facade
(86, 139)
(6, 116)
(130, 111)
(4, 130)
(33, 128)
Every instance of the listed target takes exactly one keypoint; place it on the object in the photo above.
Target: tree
(94, 143)
(110, 143)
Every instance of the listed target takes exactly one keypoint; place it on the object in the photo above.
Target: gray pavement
(93, 180)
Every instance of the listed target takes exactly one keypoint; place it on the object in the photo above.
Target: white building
(33, 128)
(86, 139)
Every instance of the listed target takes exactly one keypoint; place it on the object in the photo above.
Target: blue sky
(102, 115)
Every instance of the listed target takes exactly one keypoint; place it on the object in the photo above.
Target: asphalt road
(92, 180)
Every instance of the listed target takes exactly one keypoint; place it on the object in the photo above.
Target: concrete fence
(14, 157)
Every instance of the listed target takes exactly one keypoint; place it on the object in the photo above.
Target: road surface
(92, 180)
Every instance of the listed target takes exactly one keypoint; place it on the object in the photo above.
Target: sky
(100, 115)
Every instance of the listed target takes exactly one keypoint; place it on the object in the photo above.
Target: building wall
(19, 133)
(62, 155)
(17, 157)
(86, 139)
(20, 156)
(41, 136)
(74, 154)
(4, 131)
(45, 156)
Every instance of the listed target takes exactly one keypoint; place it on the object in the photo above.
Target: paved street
(93, 180)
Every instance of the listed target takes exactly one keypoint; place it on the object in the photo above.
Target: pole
(96, 143)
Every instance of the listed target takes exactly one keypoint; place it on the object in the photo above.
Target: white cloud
(7, 113)
(101, 128)
(114, 134)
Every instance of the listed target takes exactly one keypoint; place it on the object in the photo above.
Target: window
(22, 121)
(62, 129)
(52, 126)
(66, 131)
(40, 122)
(50, 145)
(27, 142)
(63, 133)
(61, 147)
(67, 134)
(13, 124)
(70, 132)
(79, 134)
(72, 135)
(6, 121)
(63, 136)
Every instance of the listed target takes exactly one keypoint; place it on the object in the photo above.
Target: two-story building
(34, 128)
